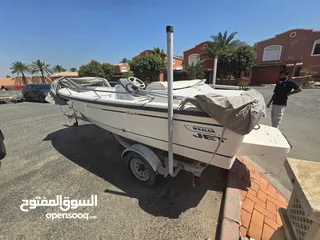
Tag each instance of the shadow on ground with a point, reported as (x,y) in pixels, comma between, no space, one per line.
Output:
(239,176)
(98,151)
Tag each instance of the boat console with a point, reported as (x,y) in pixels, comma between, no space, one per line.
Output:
(126,88)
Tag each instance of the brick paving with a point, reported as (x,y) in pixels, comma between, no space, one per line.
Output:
(259,206)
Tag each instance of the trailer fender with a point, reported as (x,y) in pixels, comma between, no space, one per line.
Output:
(146,153)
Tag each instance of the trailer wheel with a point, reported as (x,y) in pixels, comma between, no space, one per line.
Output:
(140,169)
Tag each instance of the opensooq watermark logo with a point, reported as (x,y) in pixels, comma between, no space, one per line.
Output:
(65,204)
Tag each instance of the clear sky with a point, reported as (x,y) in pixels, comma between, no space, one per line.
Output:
(72,32)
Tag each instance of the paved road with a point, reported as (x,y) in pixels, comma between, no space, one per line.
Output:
(301,125)
(46,159)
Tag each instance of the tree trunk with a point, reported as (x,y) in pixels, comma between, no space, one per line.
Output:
(42,77)
(24,79)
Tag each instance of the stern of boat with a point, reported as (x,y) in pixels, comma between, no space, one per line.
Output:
(264,140)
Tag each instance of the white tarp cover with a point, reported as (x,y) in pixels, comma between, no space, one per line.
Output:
(176,85)
(72,83)
(239,114)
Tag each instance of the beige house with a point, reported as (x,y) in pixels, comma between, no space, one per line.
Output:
(19,80)
(7,82)
(35,79)
(64,74)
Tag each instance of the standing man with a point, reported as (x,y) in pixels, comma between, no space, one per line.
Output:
(280,96)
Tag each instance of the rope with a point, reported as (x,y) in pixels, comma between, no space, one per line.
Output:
(214,154)
(217,148)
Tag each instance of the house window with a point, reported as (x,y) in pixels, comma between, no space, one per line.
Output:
(174,61)
(205,45)
(272,53)
(124,69)
(194,58)
(316,48)
(293,34)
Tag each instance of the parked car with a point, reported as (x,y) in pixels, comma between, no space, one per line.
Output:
(12,87)
(36,92)
(3,152)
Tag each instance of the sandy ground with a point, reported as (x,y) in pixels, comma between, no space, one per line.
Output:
(46,158)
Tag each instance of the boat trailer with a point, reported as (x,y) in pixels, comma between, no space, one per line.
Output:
(72,113)
(144,163)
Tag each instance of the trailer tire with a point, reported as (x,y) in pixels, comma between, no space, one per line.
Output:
(3,151)
(140,169)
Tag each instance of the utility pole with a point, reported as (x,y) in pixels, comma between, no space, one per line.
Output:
(214,77)
(169,30)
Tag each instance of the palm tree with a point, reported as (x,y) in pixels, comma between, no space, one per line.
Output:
(124,60)
(194,71)
(223,41)
(58,68)
(41,67)
(73,69)
(220,44)
(160,53)
(20,68)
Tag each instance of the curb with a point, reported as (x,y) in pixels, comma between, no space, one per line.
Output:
(286,192)
(230,217)
(250,197)
(230,221)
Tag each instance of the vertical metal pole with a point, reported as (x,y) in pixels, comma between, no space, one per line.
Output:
(169,30)
(294,69)
(214,76)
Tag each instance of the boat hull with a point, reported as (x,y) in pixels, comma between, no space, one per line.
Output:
(195,137)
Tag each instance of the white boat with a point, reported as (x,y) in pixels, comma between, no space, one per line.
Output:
(186,120)
(141,116)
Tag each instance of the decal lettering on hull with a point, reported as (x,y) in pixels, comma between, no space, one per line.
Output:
(204,133)
(131,113)
(200,129)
